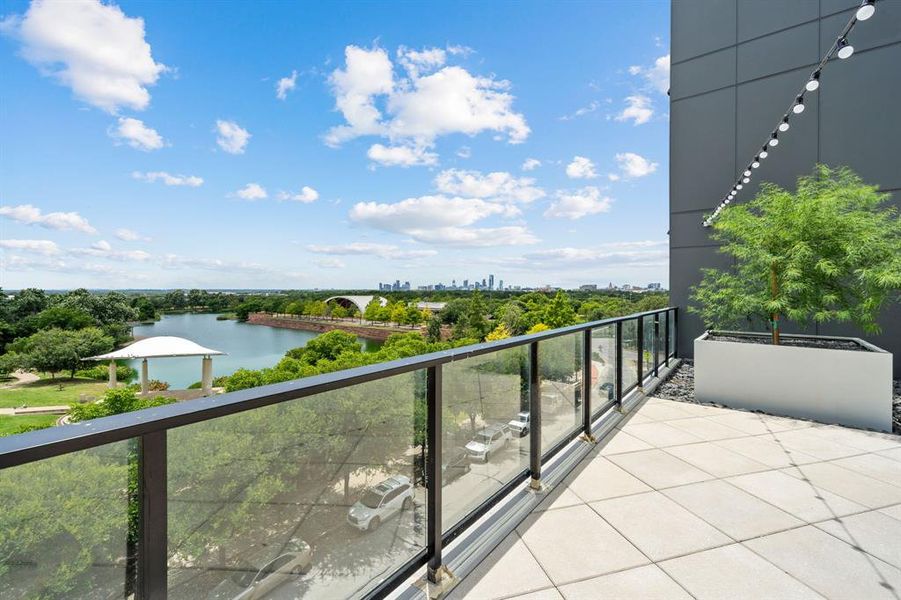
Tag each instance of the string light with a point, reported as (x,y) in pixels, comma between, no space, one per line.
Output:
(841,48)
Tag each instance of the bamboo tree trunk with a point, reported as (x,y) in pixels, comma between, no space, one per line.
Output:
(774,292)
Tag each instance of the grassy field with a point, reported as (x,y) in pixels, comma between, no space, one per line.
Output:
(9,424)
(47,392)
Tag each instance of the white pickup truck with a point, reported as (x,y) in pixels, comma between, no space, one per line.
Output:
(520,425)
(488,441)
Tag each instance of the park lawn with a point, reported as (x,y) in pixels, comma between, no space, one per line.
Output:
(11,424)
(46,392)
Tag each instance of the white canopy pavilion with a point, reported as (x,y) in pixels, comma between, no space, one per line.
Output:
(163,346)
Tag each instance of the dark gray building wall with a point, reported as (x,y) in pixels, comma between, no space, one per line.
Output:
(736,65)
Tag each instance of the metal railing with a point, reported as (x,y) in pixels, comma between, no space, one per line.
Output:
(151,428)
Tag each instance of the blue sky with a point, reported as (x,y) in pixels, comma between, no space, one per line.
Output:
(301,145)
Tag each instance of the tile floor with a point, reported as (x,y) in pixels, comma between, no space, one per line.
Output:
(687,501)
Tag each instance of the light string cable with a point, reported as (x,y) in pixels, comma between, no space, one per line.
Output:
(843,49)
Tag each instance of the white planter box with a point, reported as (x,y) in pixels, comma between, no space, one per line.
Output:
(847,387)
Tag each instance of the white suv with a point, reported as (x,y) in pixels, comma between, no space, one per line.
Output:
(520,425)
(487,441)
(381,502)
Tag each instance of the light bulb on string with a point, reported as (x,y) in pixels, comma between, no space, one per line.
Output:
(866,10)
(763,153)
(845,50)
(784,126)
(739,186)
(748,173)
(755,164)
(746,180)
(774,139)
(814,82)
(798,108)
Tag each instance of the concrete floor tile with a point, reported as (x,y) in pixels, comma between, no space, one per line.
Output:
(795,496)
(892,454)
(659,469)
(647,583)
(707,430)
(816,445)
(664,412)
(868,441)
(716,460)
(574,543)
(510,569)
(766,451)
(559,497)
(731,510)
(658,526)
(829,565)
(599,479)
(620,442)
(873,532)
(732,573)
(548,594)
(892,511)
(864,490)
(660,435)
(750,423)
(873,465)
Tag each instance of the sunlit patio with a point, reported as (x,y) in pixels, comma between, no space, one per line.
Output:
(683,500)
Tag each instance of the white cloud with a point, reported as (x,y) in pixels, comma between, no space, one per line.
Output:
(306,195)
(579,203)
(103,249)
(330,263)
(638,110)
(476,237)
(92,48)
(388,251)
(581,112)
(232,137)
(498,186)
(531,164)
(581,168)
(45,247)
(636,254)
(432,100)
(174,261)
(657,75)
(285,85)
(403,156)
(166,178)
(464,152)
(137,135)
(252,191)
(130,235)
(31,215)
(634,165)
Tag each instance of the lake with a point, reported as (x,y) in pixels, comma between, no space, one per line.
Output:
(246,346)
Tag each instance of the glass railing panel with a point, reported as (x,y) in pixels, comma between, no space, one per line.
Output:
(486,428)
(630,354)
(647,348)
(661,339)
(560,380)
(672,333)
(310,498)
(603,367)
(68,525)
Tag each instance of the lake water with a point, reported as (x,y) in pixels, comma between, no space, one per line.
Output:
(246,346)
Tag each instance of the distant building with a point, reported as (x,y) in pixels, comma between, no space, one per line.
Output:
(589,287)
(654,286)
(500,285)
(491,282)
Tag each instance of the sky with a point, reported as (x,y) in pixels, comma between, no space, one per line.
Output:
(332,145)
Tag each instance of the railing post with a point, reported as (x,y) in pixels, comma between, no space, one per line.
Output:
(152,517)
(534,418)
(666,337)
(434,476)
(586,386)
(640,345)
(656,344)
(618,383)
(676,331)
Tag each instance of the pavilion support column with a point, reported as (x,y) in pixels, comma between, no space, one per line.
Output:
(112,374)
(145,382)
(206,376)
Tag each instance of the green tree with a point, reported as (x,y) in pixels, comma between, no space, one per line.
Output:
(339,312)
(55,350)
(829,252)
(330,345)
(373,310)
(501,332)
(433,332)
(63,317)
(559,312)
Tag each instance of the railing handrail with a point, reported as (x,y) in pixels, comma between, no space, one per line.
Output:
(37,445)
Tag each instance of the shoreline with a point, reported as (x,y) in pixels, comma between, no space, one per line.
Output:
(371,332)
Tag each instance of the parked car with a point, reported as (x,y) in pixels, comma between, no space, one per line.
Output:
(609,389)
(489,440)
(250,583)
(520,425)
(456,465)
(381,502)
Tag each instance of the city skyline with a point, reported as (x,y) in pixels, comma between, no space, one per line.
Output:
(414,142)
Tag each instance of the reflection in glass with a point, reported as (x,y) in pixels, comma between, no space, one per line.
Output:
(486,428)
(647,349)
(672,333)
(560,377)
(315,497)
(64,525)
(603,366)
(630,354)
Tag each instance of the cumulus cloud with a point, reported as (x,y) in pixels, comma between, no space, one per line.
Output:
(175,261)
(285,85)
(431,99)
(498,186)
(136,134)
(638,110)
(103,249)
(45,247)
(634,165)
(657,75)
(306,195)
(31,215)
(531,164)
(330,263)
(636,254)
(92,48)
(231,137)
(387,251)
(464,152)
(252,191)
(166,178)
(402,156)
(576,204)
(130,235)
(581,112)
(581,168)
